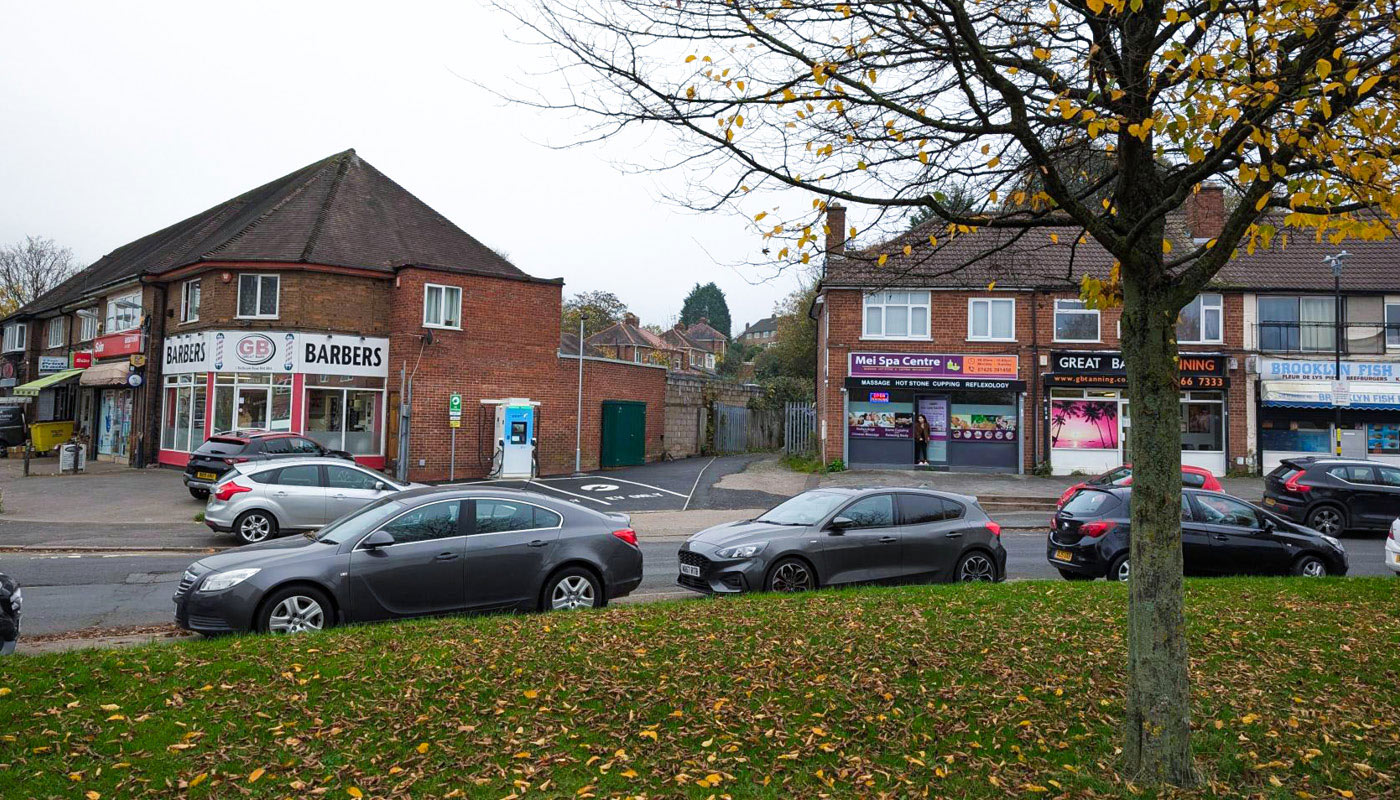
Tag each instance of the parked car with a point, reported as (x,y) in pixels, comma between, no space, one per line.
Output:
(222,451)
(416,553)
(1333,495)
(827,537)
(259,500)
(11,599)
(1193,477)
(1220,535)
(1392,548)
(13,430)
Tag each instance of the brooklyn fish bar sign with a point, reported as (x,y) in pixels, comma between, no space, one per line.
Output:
(1107,369)
(276,351)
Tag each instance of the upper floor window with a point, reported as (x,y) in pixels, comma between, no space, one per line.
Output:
(442,306)
(257,295)
(1202,321)
(896,315)
(1298,324)
(123,312)
(709,361)
(991,319)
(56,331)
(1075,322)
(1392,324)
(189,301)
(16,337)
(87,331)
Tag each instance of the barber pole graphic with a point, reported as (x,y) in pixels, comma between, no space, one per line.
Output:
(219,352)
(291,350)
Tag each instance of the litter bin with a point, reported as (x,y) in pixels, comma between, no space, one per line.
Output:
(48,435)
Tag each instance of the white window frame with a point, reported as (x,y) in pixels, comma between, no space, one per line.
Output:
(710,361)
(442,305)
(16,337)
(120,319)
(1391,303)
(990,303)
(189,312)
(1218,308)
(55,328)
(87,331)
(914,308)
(257,297)
(1055,321)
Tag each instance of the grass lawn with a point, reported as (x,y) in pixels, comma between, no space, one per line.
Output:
(953,691)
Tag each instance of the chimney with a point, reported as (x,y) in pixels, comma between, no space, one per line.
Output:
(835,229)
(630,319)
(1205,211)
(680,326)
(704,320)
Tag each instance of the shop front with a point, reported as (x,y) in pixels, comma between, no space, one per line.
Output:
(330,388)
(1088,422)
(1298,408)
(934,411)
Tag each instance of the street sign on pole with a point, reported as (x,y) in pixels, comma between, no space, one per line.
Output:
(1341,394)
(454,410)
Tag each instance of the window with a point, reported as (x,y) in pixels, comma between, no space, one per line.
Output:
(1202,320)
(436,521)
(189,301)
(304,446)
(896,315)
(922,509)
(501,516)
(1185,509)
(57,332)
(1389,476)
(1295,436)
(1352,474)
(1383,439)
(16,337)
(345,419)
(1297,324)
(870,512)
(1090,504)
(709,361)
(991,319)
(1074,322)
(1216,510)
(442,306)
(1202,421)
(305,475)
(1392,324)
(182,422)
(279,447)
(351,478)
(88,330)
(257,295)
(123,313)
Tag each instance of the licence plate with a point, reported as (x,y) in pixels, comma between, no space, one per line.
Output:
(1064,555)
(691,570)
(1268,501)
(206,476)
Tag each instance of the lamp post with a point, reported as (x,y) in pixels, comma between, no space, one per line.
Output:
(1335,262)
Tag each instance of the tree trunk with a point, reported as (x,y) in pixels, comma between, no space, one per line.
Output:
(1158,748)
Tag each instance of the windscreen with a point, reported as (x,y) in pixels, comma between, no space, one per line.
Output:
(359,522)
(807,508)
(1091,504)
(221,447)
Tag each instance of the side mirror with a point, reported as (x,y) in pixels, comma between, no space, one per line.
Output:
(342,454)
(377,540)
(1269,526)
(840,524)
(381,486)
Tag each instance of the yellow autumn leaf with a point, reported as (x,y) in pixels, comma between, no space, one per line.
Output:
(91,795)
(531,694)
(628,773)
(109,707)
(354,792)
(689,59)
(649,735)
(908,249)
(882,259)
(991,286)
(4,690)
(423,748)
(995,160)
(1368,84)
(1166,246)
(1324,68)
(255,774)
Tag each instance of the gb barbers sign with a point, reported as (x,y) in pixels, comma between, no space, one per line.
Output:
(276,351)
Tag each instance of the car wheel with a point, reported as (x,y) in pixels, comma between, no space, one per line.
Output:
(790,575)
(1326,519)
(252,527)
(296,609)
(1310,567)
(573,588)
(1118,570)
(1071,575)
(199,494)
(976,566)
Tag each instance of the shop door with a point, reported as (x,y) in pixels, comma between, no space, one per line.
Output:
(251,405)
(114,423)
(935,410)
(624,433)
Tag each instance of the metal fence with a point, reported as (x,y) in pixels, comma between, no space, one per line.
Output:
(799,428)
(738,429)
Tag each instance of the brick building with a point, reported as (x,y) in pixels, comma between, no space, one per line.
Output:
(985,338)
(329,302)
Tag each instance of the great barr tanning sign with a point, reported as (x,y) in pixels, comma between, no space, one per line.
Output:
(276,351)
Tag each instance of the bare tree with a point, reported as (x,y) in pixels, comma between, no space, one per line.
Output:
(1290,103)
(31,268)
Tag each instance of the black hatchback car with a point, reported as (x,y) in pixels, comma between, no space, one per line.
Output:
(1220,535)
(1333,495)
(221,451)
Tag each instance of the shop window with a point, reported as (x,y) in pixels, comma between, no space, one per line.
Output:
(1297,324)
(57,330)
(252,401)
(182,419)
(189,301)
(16,337)
(258,295)
(345,419)
(442,306)
(1075,322)
(896,315)
(123,313)
(1383,439)
(88,330)
(1202,320)
(1203,422)
(991,319)
(1084,423)
(1295,436)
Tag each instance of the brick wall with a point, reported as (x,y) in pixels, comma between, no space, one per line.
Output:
(311,300)
(690,402)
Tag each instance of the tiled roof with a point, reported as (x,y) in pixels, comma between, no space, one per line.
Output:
(625,334)
(677,339)
(568,345)
(763,325)
(702,332)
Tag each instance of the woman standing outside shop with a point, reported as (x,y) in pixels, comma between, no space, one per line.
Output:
(921,437)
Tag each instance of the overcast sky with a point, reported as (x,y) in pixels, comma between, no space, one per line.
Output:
(122,118)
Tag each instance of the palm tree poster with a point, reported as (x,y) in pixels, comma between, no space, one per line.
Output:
(1084,424)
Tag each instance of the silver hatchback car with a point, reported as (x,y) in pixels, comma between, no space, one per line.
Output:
(258,501)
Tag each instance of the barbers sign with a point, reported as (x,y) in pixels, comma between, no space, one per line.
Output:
(276,351)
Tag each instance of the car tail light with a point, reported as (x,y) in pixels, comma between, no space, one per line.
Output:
(1097,528)
(230,489)
(235,461)
(627,535)
(1293,485)
(993,527)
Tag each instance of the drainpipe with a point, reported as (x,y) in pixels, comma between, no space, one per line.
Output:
(1035,379)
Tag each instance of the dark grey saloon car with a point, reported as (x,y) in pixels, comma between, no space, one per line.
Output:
(827,537)
(417,553)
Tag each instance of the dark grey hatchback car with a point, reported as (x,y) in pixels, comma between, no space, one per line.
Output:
(417,553)
(834,536)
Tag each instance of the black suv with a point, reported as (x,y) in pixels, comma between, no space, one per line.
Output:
(1220,535)
(221,451)
(1333,495)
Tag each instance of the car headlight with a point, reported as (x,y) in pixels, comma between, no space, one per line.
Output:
(1332,540)
(742,550)
(224,580)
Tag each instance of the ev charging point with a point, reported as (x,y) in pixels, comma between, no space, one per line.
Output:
(515,437)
